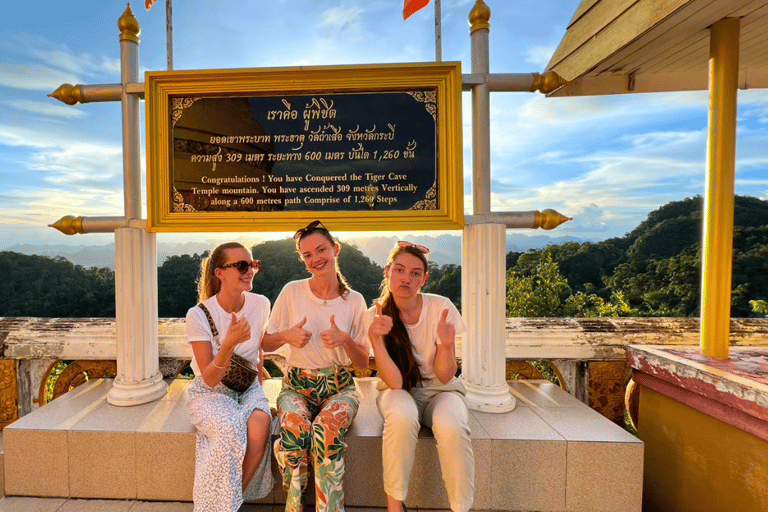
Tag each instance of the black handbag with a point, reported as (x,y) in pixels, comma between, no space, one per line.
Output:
(240,373)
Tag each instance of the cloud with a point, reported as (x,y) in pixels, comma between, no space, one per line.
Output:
(539,55)
(342,18)
(34,77)
(589,219)
(46,109)
(664,139)
(608,191)
(65,176)
(60,56)
(17,136)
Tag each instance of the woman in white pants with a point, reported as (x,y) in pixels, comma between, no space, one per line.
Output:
(413,336)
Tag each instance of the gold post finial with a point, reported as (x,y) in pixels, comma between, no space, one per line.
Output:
(129,26)
(547,82)
(479,16)
(68,94)
(550,219)
(69,225)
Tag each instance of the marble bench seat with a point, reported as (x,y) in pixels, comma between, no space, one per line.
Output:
(552,453)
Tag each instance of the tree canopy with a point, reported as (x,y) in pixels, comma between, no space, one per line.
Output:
(655,270)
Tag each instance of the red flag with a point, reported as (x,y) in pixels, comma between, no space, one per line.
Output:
(411,6)
(148,4)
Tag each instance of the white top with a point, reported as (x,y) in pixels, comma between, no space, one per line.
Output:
(255,309)
(423,333)
(295,302)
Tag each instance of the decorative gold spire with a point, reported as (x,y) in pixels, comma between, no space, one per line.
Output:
(479,16)
(547,82)
(69,94)
(69,225)
(129,26)
(549,219)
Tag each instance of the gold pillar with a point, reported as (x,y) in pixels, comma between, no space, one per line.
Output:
(9,393)
(717,250)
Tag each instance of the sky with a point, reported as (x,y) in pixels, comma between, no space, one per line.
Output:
(606,161)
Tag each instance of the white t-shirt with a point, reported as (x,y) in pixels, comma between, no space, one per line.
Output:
(295,302)
(255,309)
(423,333)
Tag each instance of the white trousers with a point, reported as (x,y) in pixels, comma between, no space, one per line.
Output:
(440,407)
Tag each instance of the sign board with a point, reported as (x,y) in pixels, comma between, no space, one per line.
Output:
(359,147)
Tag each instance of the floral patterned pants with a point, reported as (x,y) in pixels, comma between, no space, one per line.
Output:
(316,408)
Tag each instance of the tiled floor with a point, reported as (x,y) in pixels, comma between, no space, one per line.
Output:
(14,504)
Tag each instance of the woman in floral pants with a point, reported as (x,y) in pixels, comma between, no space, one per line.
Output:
(320,319)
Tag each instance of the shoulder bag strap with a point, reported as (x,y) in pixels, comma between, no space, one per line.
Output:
(214,331)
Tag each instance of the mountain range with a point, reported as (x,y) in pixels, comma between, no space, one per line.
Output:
(444,249)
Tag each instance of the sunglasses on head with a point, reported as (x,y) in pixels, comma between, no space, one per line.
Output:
(310,227)
(243,266)
(405,245)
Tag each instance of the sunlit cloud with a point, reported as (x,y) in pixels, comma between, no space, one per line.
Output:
(539,55)
(42,108)
(40,207)
(77,163)
(61,57)
(341,18)
(751,163)
(76,175)
(23,136)
(664,139)
(34,77)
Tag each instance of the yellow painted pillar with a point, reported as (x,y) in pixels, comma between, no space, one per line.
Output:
(717,250)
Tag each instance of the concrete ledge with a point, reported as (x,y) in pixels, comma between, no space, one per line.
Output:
(552,453)
(526,338)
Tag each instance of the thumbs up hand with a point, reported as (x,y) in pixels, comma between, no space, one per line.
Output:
(445,330)
(239,331)
(381,324)
(334,337)
(297,336)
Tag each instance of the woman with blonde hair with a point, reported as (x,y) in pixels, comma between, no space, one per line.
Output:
(233,427)
(413,336)
(320,320)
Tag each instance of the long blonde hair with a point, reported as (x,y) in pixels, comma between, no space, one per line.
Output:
(398,341)
(208,284)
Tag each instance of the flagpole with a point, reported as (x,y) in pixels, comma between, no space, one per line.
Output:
(169,31)
(438,33)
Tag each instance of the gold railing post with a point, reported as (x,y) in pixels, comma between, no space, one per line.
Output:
(717,248)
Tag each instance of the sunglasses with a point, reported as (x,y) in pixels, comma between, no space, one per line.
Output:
(315,224)
(243,266)
(405,245)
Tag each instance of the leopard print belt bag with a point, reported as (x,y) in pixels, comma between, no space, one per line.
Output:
(241,372)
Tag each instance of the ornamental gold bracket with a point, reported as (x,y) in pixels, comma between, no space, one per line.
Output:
(545,219)
(71,225)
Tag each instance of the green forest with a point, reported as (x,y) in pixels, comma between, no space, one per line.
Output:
(652,271)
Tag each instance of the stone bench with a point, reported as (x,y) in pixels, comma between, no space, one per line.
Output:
(552,453)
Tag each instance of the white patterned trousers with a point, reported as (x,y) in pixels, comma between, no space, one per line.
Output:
(220,416)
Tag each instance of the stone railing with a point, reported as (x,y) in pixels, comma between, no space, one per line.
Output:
(587,354)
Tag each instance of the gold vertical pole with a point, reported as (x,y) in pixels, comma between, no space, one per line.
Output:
(717,250)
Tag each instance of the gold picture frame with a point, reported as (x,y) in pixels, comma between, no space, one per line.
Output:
(214,163)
